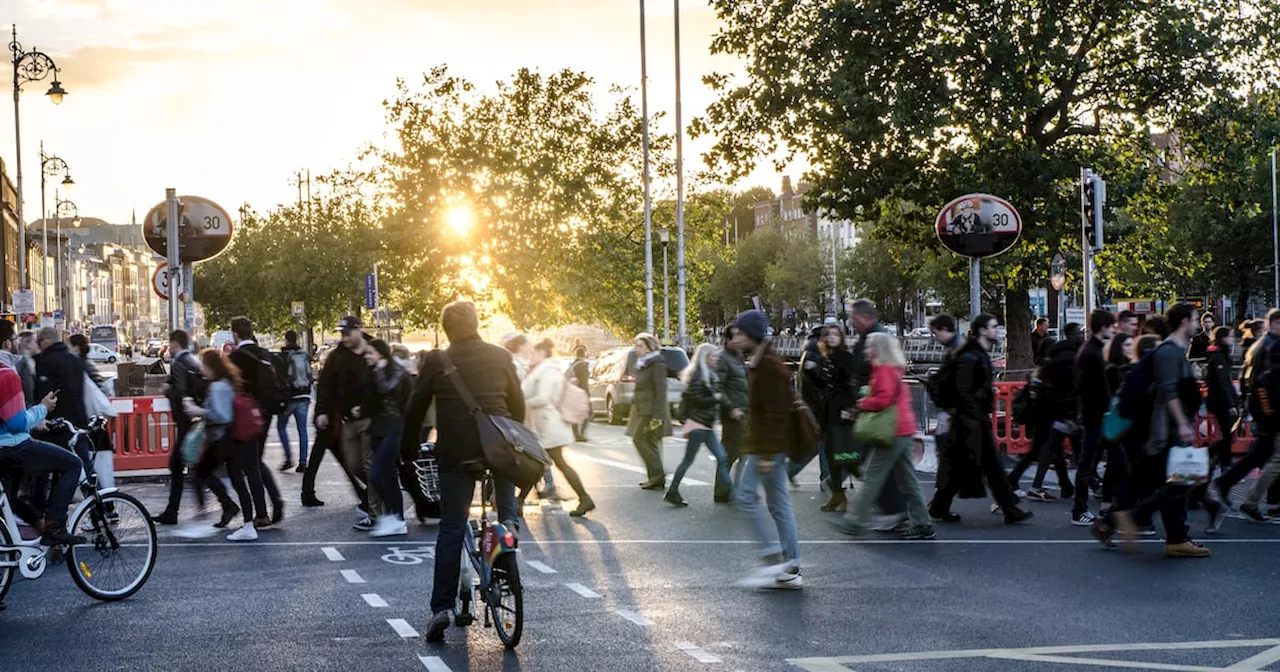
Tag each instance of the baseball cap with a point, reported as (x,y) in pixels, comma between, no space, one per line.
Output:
(348,323)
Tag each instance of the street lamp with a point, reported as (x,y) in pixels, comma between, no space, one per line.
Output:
(50,166)
(28,66)
(664,235)
(62,209)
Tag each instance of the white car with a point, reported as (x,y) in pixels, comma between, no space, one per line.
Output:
(100,353)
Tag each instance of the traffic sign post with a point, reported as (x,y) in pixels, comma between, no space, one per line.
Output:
(299,310)
(978,226)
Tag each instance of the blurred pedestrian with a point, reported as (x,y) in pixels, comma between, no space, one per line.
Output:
(386,422)
(240,457)
(543,388)
(703,400)
(732,371)
(650,413)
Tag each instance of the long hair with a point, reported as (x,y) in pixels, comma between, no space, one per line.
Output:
(700,366)
(885,350)
(221,368)
(822,338)
(650,341)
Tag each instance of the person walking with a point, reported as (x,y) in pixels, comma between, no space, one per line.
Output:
(894,460)
(487,372)
(521,349)
(240,457)
(650,419)
(258,375)
(1057,422)
(1041,341)
(732,371)
(1093,395)
(385,411)
(827,386)
(580,374)
(1200,343)
(345,385)
(966,393)
(703,401)
(1260,384)
(1223,403)
(298,368)
(186,381)
(542,388)
(59,370)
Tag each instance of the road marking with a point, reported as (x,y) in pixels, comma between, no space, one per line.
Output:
(434,664)
(634,616)
(540,567)
(626,466)
(402,627)
(1260,661)
(332,553)
(352,576)
(374,600)
(697,652)
(582,590)
(719,542)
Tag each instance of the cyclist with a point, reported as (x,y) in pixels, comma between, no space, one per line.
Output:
(37,457)
(488,372)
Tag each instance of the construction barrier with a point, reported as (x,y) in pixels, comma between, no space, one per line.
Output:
(143,433)
(1012,439)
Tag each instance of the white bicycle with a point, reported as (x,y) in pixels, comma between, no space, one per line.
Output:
(120,549)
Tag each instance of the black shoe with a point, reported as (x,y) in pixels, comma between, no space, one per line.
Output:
(660,484)
(363,525)
(723,500)
(311,501)
(436,627)
(1013,515)
(944,517)
(228,515)
(919,533)
(1252,513)
(277,512)
(674,499)
(57,535)
(302,469)
(261,522)
(288,464)
(585,506)
(166,518)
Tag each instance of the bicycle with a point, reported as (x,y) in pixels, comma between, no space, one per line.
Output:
(121,539)
(491,549)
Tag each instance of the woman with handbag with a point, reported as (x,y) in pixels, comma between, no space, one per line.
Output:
(702,402)
(827,387)
(887,425)
(542,388)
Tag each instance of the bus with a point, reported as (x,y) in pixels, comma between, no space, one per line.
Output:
(105,335)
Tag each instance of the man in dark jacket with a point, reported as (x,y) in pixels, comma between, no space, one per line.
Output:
(581,376)
(186,379)
(1041,341)
(1056,418)
(733,377)
(490,376)
(650,413)
(971,432)
(252,360)
(345,385)
(58,369)
(1261,372)
(1200,342)
(1093,396)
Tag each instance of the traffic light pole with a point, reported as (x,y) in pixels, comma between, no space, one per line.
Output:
(1093,195)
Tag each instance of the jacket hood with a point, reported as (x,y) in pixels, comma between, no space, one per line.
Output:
(9,359)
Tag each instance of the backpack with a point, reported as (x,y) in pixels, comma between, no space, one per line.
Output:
(574,404)
(273,392)
(199,385)
(1027,404)
(299,372)
(942,383)
(1259,389)
(247,423)
(1137,394)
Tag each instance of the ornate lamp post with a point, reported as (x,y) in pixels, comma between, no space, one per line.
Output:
(50,166)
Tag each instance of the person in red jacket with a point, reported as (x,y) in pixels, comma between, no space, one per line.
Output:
(894,461)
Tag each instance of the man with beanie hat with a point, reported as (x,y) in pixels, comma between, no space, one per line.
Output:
(769,443)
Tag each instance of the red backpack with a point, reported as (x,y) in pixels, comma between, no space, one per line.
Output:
(247,424)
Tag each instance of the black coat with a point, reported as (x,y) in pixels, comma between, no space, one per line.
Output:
(650,398)
(828,386)
(57,368)
(1221,391)
(1118,363)
(392,388)
(1199,346)
(490,376)
(702,402)
(1093,391)
(345,383)
(733,379)
(1059,375)
(973,381)
(960,449)
(186,379)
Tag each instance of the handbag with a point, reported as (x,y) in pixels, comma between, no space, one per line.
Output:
(95,402)
(876,428)
(510,449)
(1114,425)
(1188,465)
(804,426)
(193,443)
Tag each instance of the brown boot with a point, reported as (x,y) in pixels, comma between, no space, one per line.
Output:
(838,502)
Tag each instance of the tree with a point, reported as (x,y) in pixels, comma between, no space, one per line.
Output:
(925,100)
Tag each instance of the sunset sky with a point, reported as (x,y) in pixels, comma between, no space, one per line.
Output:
(228,99)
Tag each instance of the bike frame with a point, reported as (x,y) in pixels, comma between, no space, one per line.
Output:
(495,540)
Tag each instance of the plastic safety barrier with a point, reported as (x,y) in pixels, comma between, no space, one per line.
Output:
(143,433)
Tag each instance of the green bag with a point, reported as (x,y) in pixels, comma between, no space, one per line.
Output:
(193,443)
(876,429)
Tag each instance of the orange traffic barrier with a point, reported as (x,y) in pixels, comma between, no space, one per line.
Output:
(143,433)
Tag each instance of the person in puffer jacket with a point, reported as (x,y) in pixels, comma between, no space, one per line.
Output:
(703,401)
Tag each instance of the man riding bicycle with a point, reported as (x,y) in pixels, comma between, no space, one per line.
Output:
(491,377)
(23,455)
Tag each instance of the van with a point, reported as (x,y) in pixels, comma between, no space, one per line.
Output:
(613,381)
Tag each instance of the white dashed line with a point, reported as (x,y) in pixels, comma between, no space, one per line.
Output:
(375,600)
(696,652)
(352,576)
(634,616)
(434,664)
(577,455)
(332,553)
(540,567)
(402,627)
(582,590)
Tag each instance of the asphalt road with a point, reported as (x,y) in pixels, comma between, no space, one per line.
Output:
(641,586)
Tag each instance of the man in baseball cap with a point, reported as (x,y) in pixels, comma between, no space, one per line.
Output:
(349,323)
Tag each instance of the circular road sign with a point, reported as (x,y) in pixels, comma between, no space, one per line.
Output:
(1058,271)
(978,225)
(204,229)
(160,281)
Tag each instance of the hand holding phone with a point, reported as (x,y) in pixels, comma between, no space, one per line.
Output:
(50,400)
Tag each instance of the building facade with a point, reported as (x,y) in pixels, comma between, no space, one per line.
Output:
(788,213)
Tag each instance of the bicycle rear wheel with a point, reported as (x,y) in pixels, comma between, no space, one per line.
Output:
(506,600)
(118,556)
(6,573)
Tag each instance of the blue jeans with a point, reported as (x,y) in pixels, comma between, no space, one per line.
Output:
(297,409)
(384,473)
(696,439)
(777,498)
(456,492)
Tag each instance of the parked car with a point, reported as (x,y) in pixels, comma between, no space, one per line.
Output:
(613,381)
(155,347)
(100,353)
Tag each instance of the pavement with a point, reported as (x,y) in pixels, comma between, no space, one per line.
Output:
(641,586)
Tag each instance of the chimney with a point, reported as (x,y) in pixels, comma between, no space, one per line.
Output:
(786,185)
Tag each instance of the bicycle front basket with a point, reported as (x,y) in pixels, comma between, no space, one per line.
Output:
(428,472)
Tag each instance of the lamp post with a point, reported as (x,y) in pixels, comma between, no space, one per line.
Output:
(28,66)
(680,271)
(664,235)
(50,166)
(73,212)
(648,209)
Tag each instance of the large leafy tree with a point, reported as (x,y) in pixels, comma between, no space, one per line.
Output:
(925,100)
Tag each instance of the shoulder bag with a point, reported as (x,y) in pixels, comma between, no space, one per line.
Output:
(510,449)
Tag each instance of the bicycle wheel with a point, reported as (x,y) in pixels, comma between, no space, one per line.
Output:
(506,600)
(118,556)
(6,573)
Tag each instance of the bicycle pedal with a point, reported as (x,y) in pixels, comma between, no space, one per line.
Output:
(463,620)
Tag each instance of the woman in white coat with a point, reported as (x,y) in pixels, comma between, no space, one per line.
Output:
(543,388)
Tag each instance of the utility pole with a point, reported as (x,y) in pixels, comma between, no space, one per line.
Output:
(650,327)
(680,270)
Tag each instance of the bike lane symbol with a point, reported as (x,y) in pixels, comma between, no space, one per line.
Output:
(409,556)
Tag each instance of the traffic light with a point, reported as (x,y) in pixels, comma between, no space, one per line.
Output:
(1093,195)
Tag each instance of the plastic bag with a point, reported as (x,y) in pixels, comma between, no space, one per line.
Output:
(1188,465)
(193,443)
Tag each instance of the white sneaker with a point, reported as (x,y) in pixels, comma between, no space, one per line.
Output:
(789,579)
(246,533)
(1020,493)
(389,526)
(764,576)
(195,531)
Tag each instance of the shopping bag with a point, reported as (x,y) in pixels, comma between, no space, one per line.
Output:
(193,443)
(1188,465)
(876,428)
(95,402)
(1114,425)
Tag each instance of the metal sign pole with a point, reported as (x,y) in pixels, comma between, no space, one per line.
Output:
(175,266)
(189,297)
(975,287)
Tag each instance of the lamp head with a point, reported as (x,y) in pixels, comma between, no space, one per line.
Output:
(56,92)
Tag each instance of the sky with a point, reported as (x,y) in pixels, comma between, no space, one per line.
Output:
(227,99)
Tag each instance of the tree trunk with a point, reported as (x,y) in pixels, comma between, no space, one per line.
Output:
(1017,323)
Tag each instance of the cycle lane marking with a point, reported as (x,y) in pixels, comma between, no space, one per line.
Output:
(634,616)
(332,553)
(697,652)
(583,590)
(374,600)
(402,627)
(352,576)
(434,664)
(540,567)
